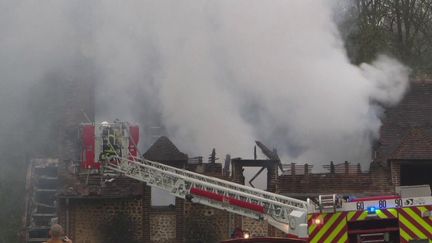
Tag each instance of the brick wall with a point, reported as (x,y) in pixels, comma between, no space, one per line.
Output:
(378,181)
(395,172)
(146,210)
(180,220)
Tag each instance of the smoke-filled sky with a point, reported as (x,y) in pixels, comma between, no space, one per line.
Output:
(211,73)
(224,73)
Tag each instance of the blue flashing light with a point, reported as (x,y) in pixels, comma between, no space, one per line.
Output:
(371,210)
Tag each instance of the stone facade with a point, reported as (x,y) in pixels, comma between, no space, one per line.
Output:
(255,227)
(89,219)
(162,226)
(206,221)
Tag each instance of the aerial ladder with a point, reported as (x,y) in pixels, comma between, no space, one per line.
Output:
(286,214)
(330,218)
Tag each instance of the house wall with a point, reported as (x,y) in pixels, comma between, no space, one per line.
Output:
(88,218)
(170,225)
(163,226)
(255,227)
(207,220)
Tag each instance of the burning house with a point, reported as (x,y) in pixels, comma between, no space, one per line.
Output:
(97,208)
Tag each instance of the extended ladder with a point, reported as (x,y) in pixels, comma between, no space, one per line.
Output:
(286,214)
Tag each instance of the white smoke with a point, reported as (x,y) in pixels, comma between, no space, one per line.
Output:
(228,72)
(388,79)
(212,73)
(313,104)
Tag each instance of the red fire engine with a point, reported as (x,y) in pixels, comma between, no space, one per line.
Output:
(406,217)
(397,218)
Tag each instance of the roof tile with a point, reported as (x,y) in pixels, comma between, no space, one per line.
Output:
(415,146)
(414,111)
(164,150)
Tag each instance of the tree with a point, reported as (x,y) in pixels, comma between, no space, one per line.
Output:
(400,28)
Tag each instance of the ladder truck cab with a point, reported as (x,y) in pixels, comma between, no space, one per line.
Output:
(406,217)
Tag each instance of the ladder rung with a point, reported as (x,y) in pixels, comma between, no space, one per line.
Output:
(325,207)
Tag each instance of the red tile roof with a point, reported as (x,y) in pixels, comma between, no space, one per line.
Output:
(415,146)
(414,111)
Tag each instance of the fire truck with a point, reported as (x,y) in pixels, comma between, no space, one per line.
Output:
(406,217)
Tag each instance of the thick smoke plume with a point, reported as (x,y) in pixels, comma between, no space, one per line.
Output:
(209,73)
(222,74)
(206,73)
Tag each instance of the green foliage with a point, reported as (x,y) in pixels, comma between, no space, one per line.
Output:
(399,28)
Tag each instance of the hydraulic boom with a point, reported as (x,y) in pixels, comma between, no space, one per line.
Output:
(287,214)
(112,147)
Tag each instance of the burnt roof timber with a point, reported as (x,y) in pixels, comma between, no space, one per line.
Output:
(254,163)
